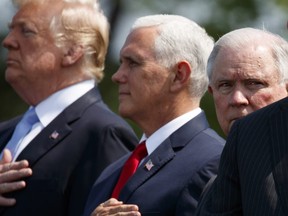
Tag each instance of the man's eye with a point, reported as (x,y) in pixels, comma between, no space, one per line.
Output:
(224,85)
(254,84)
(27,31)
(133,63)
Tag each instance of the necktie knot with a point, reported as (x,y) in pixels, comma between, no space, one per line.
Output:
(30,117)
(137,155)
(130,167)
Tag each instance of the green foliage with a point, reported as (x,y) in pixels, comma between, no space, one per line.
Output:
(11,104)
(207,105)
(283,4)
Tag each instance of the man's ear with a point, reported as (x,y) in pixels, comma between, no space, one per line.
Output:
(286,82)
(182,75)
(72,55)
(210,90)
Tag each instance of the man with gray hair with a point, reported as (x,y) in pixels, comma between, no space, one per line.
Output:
(162,78)
(247,70)
(253,175)
(54,153)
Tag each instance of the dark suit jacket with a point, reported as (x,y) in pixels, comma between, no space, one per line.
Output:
(253,172)
(183,164)
(64,169)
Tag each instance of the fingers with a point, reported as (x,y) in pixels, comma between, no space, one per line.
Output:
(7,201)
(6,163)
(11,186)
(11,180)
(115,207)
(13,166)
(7,156)
(14,175)
(11,175)
(111,202)
(127,208)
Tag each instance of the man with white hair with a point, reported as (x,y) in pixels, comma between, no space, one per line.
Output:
(162,78)
(253,175)
(247,70)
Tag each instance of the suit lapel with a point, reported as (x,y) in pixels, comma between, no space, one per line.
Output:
(279,134)
(161,156)
(58,129)
(50,136)
(164,154)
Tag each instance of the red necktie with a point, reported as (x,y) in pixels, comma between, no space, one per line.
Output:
(130,168)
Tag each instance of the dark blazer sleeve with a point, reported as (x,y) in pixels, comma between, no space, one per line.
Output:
(191,194)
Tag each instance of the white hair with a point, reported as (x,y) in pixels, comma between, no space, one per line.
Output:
(178,39)
(240,38)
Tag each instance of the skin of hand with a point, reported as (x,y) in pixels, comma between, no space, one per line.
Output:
(113,207)
(11,174)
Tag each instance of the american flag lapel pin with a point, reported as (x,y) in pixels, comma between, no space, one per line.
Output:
(149,165)
(54,135)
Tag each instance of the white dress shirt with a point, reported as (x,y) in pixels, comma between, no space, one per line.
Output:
(165,131)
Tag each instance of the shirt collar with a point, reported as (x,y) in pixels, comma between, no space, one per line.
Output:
(165,131)
(52,106)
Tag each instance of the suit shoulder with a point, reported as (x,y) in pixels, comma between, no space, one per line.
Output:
(214,136)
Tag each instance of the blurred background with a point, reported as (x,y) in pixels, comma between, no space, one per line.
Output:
(217,16)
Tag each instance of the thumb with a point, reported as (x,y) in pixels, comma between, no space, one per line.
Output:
(7,156)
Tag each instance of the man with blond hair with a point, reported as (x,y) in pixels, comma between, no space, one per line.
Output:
(54,153)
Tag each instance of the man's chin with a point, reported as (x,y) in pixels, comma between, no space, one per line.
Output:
(123,112)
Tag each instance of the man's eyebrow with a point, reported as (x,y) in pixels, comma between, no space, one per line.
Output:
(127,58)
(18,23)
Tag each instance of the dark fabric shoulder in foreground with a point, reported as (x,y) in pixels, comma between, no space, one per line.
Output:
(253,174)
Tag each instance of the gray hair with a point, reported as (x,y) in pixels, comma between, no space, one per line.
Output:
(180,39)
(237,39)
(80,22)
